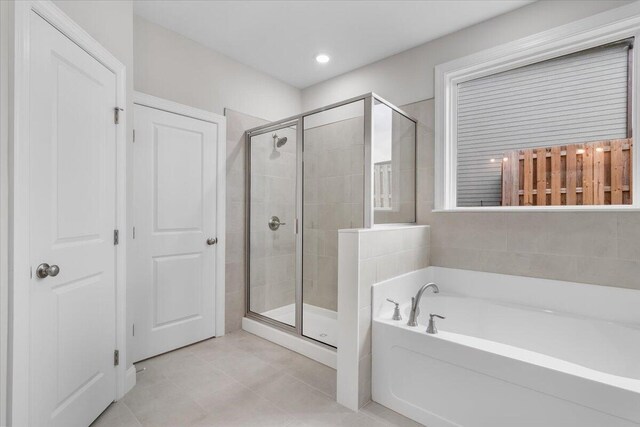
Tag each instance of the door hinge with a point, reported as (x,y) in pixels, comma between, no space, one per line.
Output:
(116,357)
(134,232)
(133,329)
(116,237)
(296,225)
(134,135)
(116,115)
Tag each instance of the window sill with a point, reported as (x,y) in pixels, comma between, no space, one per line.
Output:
(511,209)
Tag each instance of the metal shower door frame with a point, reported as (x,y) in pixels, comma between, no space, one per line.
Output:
(368,209)
(271,127)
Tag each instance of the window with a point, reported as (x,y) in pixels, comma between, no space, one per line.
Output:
(549,127)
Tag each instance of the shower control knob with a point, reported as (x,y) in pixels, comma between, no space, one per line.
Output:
(212,241)
(274,223)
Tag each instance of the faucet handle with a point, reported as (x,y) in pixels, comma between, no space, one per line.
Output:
(431,328)
(396,310)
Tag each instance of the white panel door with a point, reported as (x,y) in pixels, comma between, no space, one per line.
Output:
(174,248)
(72,218)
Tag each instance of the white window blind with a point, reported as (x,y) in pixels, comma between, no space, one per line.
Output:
(572,99)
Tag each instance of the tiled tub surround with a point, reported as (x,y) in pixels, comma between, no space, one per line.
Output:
(368,256)
(601,248)
(542,352)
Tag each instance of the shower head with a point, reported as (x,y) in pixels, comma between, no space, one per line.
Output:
(278,142)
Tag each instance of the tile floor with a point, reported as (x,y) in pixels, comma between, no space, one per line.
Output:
(238,380)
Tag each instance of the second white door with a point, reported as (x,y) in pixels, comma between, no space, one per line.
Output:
(174,247)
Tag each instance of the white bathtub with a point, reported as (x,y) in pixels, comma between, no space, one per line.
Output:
(512,351)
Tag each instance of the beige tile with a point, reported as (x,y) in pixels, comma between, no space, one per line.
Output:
(146,400)
(180,364)
(352,419)
(257,415)
(235,216)
(116,415)
(359,420)
(564,233)
(247,369)
(609,272)
(234,311)
(236,186)
(231,395)
(207,380)
(148,375)
(483,231)
(172,414)
(216,348)
(268,352)
(414,237)
(628,231)
(315,374)
(234,247)
(469,259)
(298,398)
(235,277)
(386,415)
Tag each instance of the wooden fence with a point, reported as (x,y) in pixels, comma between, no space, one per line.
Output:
(594,173)
(382,185)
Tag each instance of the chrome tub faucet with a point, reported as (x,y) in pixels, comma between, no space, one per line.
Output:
(415,302)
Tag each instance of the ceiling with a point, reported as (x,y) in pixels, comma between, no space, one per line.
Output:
(282,38)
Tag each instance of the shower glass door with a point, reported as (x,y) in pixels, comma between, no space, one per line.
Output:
(333,199)
(272,186)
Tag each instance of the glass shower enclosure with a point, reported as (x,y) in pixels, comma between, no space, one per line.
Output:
(347,165)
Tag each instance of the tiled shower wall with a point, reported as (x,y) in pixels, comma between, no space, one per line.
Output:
(273,193)
(601,248)
(333,197)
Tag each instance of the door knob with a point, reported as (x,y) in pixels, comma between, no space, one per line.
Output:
(274,223)
(212,241)
(45,270)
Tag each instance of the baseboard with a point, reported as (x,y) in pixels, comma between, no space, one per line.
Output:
(299,345)
(130,379)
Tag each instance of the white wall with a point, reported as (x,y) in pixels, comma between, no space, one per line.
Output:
(174,67)
(408,76)
(111,24)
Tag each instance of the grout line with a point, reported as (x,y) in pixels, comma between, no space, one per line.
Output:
(310,385)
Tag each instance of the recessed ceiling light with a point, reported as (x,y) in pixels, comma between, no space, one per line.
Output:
(322,58)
